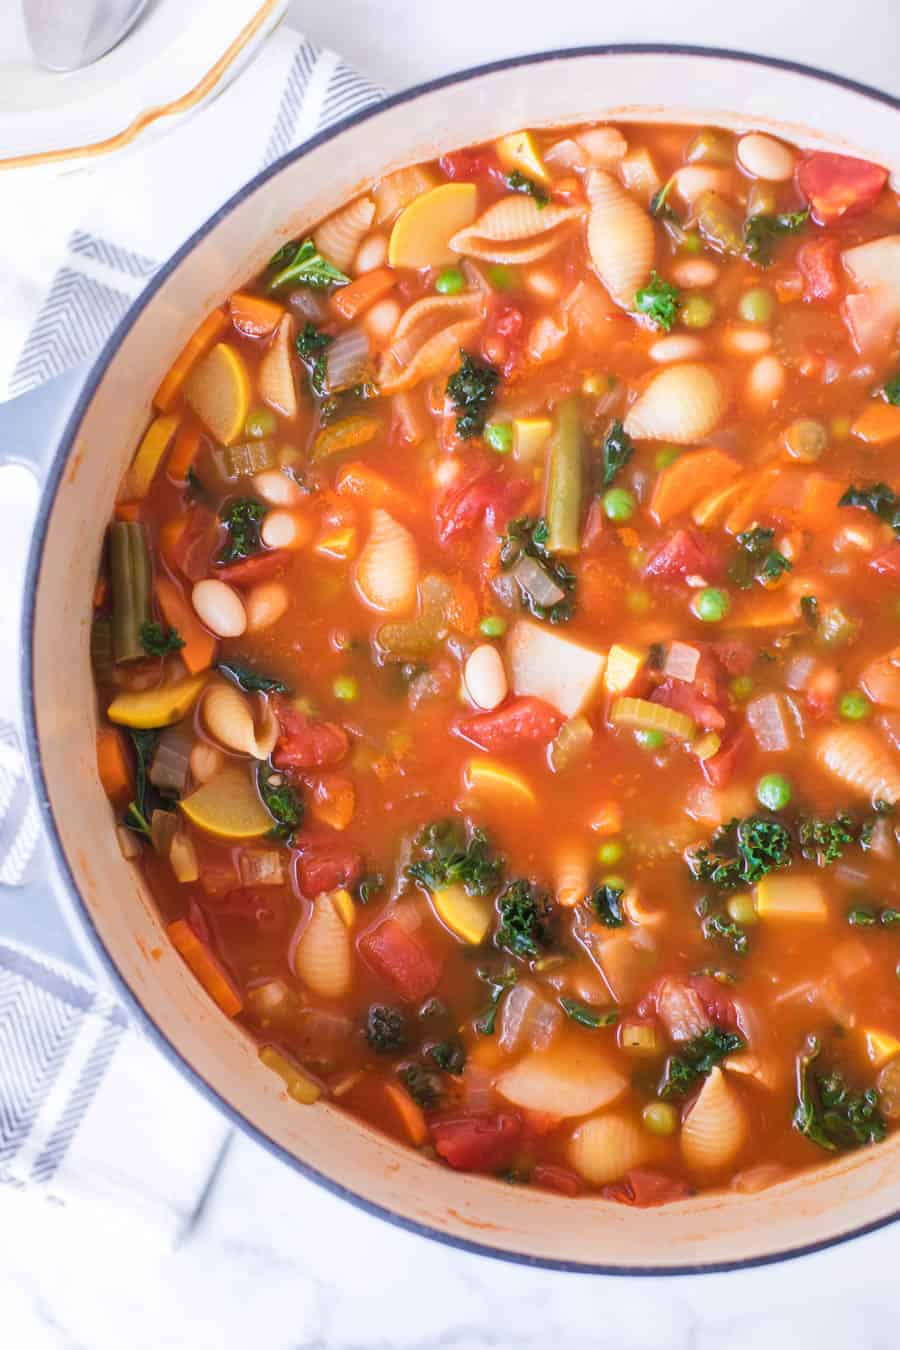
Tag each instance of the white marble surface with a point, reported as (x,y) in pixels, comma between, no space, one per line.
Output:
(274,1263)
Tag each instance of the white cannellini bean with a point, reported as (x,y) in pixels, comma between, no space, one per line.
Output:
(691,272)
(371,253)
(219,607)
(692,180)
(485,677)
(277,488)
(747,341)
(284,529)
(765,382)
(681,347)
(763,157)
(265,605)
(206,761)
(382,319)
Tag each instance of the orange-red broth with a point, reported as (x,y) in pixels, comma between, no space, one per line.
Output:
(407,762)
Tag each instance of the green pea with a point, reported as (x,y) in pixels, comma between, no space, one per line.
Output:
(619,504)
(499,436)
(610,853)
(493,626)
(741,908)
(660,1117)
(773,791)
(614,882)
(346,688)
(639,602)
(756,306)
(450,282)
(710,605)
(501,277)
(741,688)
(649,738)
(854,706)
(666,456)
(697,312)
(261,422)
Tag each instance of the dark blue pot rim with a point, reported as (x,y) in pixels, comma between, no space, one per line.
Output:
(48,496)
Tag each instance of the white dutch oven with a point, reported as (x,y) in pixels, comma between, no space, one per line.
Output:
(81,455)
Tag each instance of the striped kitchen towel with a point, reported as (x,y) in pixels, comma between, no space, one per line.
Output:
(90,1112)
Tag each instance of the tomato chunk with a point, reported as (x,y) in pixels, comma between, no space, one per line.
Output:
(248,571)
(818,261)
(492,496)
(686,554)
(400,957)
(642,1187)
(687,699)
(719,1006)
(520,721)
(551,1177)
(467,165)
(838,186)
(305,743)
(477,1143)
(719,769)
(326,863)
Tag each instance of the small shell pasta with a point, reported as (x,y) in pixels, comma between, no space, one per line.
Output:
(716,1127)
(323,958)
(339,237)
(387,571)
(621,239)
(683,403)
(562,1082)
(859,758)
(605,1148)
(228,717)
(427,339)
(573,875)
(277,385)
(516,230)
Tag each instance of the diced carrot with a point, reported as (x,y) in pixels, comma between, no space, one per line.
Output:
(755,489)
(112,765)
(607,819)
(411,1115)
(347,434)
(628,537)
(169,534)
(254,315)
(692,476)
(199,650)
(205,967)
(819,500)
(334,801)
(464,612)
(358,480)
(363,292)
(184,451)
(878,423)
(128,510)
(101,591)
(209,332)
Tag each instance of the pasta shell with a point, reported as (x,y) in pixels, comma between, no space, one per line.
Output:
(228,717)
(683,403)
(621,239)
(339,237)
(427,339)
(516,230)
(605,1148)
(387,571)
(716,1127)
(562,1083)
(277,386)
(323,959)
(858,757)
(573,875)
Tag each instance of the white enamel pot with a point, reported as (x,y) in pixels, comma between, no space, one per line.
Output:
(81,451)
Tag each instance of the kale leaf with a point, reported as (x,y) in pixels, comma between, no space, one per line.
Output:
(526,536)
(891,390)
(448,1055)
(312,344)
(486,1024)
(524,911)
(823,841)
(159,641)
(878,498)
(241,519)
(146,800)
(606,902)
(659,301)
(828,1112)
(386,1029)
(742,852)
(659,206)
(727,930)
(517,182)
(761,231)
(696,1058)
(250,680)
(303,265)
(618,448)
(757,559)
(422,1085)
(453,859)
(588,1017)
(471,391)
(282,802)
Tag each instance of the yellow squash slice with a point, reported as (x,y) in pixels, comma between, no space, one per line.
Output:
(228,806)
(421,236)
(468,917)
(156,707)
(218,390)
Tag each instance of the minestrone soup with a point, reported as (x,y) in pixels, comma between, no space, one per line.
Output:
(497,647)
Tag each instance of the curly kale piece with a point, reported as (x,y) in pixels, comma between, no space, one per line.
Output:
(742,852)
(761,231)
(659,301)
(828,1112)
(757,559)
(606,902)
(486,1024)
(450,857)
(283,803)
(525,911)
(422,1085)
(696,1059)
(242,520)
(518,182)
(618,447)
(472,390)
(526,536)
(725,929)
(823,841)
(159,641)
(386,1029)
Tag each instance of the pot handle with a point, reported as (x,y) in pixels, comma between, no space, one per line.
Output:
(33,905)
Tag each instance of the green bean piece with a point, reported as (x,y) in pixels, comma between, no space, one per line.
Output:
(129,560)
(102,651)
(565,482)
(247,459)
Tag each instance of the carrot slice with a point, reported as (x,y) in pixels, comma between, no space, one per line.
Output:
(358,480)
(169,535)
(363,292)
(112,765)
(878,423)
(199,344)
(254,315)
(693,475)
(205,967)
(199,650)
(184,451)
(411,1115)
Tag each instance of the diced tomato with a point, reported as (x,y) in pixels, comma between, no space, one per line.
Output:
(491,496)
(261,567)
(719,768)
(193,550)
(477,1143)
(719,1007)
(642,1187)
(686,554)
(688,699)
(467,165)
(734,654)
(400,957)
(594,524)
(305,743)
(508,321)
(838,186)
(326,862)
(678,1005)
(260,911)
(520,721)
(887,564)
(551,1177)
(818,261)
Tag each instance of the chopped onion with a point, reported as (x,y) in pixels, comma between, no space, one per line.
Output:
(527,1016)
(347,360)
(475,278)
(307,303)
(535,582)
(799,670)
(768,723)
(183,857)
(477,1090)
(163,825)
(882,844)
(570,744)
(681,662)
(261,867)
(171,762)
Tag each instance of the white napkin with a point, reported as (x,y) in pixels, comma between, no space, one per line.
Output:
(89,1111)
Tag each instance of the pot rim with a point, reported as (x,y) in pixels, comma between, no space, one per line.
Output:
(48,491)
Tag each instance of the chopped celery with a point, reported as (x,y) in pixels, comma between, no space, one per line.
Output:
(247,459)
(647,716)
(720,224)
(565,482)
(129,566)
(570,744)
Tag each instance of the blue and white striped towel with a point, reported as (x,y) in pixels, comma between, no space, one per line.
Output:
(89,1111)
